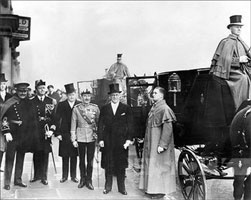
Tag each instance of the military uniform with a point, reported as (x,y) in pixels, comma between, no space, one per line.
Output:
(16,122)
(83,130)
(44,118)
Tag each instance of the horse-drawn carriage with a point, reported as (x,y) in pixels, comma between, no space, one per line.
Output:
(204,109)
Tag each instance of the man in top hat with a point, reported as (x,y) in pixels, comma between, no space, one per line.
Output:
(44,124)
(115,134)
(4,96)
(15,127)
(118,73)
(83,134)
(230,62)
(63,123)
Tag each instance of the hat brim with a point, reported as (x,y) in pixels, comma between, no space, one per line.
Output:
(114,92)
(234,24)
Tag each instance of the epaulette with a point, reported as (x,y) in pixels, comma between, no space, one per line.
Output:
(77,105)
(94,104)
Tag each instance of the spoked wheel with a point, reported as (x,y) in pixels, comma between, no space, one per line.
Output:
(191,176)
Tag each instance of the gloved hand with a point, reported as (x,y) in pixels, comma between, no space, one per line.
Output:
(49,134)
(59,137)
(101,143)
(8,137)
(75,144)
(243,59)
(127,144)
(160,149)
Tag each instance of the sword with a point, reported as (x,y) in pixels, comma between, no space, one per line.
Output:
(97,160)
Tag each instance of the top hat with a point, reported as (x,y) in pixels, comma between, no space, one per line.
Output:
(114,88)
(69,88)
(119,55)
(39,82)
(2,78)
(86,92)
(235,20)
(50,86)
(21,86)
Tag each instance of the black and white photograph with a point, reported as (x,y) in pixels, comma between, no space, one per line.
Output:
(125,100)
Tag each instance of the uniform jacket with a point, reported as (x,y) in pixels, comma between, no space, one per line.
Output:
(16,121)
(118,71)
(227,54)
(84,122)
(44,114)
(114,130)
(63,124)
(158,170)
(2,139)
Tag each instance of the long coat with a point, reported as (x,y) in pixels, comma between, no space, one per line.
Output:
(63,123)
(44,114)
(114,130)
(158,170)
(2,139)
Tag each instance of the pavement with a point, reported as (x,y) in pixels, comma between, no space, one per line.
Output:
(216,189)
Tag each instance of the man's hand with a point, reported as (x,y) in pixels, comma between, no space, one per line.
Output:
(101,143)
(59,137)
(160,149)
(127,144)
(243,59)
(75,144)
(8,137)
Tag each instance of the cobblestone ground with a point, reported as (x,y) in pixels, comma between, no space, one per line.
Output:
(216,189)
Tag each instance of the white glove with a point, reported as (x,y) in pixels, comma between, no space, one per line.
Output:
(160,149)
(127,143)
(101,143)
(243,59)
(75,144)
(49,134)
(59,137)
(8,137)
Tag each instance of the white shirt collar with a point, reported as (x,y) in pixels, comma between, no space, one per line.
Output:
(71,104)
(114,107)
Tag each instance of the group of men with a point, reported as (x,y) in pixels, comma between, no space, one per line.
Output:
(27,125)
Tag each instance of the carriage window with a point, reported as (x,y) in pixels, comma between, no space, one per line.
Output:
(139,90)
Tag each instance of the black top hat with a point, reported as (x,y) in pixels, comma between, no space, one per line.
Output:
(39,82)
(69,88)
(235,20)
(114,88)
(22,86)
(119,55)
(2,78)
(86,92)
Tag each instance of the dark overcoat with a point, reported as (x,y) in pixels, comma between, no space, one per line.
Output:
(63,122)
(114,130)
(2,139)
(19,110)
(44,114)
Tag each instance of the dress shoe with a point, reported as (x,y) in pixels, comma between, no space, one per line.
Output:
(63,180)
(123,192)
(81,184)
(75,180)
(34,180)
(20,184)
(89,186)
(106,191)
(6,187)
(45,182)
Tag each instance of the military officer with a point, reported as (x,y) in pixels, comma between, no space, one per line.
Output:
(83,134)
(15,125)
(44,126)
(4,96)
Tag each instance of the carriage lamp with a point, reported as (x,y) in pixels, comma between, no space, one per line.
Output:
(174,85)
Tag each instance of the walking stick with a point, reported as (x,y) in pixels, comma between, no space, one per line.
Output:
(97,160)
(53,160)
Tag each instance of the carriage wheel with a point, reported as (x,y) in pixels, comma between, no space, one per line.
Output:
(191,176)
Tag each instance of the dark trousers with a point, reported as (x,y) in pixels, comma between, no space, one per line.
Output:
(1,158)
(40,160)
(86,170)
(9,160)
(73,166)
(120,179)
(242,184)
